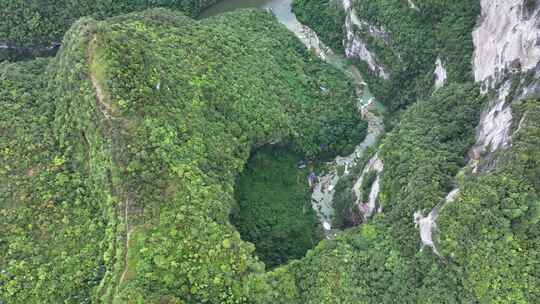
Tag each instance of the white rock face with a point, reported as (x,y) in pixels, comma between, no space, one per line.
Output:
(323,193)
(367,208)
(355,46)
(428,224)
(440,74)
(506,35)
(493,131)
(506,40)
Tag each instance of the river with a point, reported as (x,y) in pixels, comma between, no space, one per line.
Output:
(283,12)
(231,5)
(323,193)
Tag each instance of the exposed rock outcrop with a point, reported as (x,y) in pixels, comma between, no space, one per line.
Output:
(507,38)
(355,47)
(493,131)
(366,208)
(440,74)
(507,43)
(428,224)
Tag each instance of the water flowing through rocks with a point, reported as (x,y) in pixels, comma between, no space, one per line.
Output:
(323,191)
(366,208)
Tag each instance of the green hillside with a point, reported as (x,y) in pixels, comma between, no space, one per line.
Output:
(161,159)
(130,161)
(37,23)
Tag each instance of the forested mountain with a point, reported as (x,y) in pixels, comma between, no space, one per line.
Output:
(38,23)
(151,157)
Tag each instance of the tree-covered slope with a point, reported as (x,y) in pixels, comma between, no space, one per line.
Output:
(54,212)
(38,23)
(488,237)
(417,37)
(326,18)
(408,41)
(491,232)
(142,123)
(124,161)
(380,261)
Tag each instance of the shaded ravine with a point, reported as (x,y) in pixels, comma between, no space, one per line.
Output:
(11,51)
(323,192)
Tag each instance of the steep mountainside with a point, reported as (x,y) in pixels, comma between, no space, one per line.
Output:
(473,197)
(123,159)
(36,27)
(118,161)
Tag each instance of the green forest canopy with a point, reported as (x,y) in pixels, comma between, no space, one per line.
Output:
(273,206)
(35,23)
(142,123)
(118,161)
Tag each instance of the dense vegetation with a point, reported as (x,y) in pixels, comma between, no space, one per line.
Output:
(125,161)
(274,207)
(489,236)
(491,232)
(56,216)
(326,18)
(424,154)
(439,29)
(416,38)
(120,167)
(29,26)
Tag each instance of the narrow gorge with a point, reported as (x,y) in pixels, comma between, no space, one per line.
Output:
(270,151)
